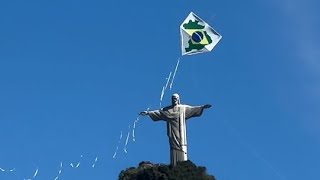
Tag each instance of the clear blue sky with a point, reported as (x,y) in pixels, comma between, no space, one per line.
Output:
(75,73)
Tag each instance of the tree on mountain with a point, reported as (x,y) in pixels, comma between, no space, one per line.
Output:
(184,170)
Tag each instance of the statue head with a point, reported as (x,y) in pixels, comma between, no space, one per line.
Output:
(175,99)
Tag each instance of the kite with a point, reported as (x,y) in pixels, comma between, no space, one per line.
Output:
(197,36)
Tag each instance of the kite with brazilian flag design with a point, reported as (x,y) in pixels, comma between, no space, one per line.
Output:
(197,36)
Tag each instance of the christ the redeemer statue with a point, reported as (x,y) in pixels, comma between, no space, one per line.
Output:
(176,115)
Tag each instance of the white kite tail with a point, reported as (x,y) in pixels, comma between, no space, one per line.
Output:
(134,128)
(4,170)
(116,151)
(35,173)
(95,161)
(174,73)
(60,171)
(164,88)
(73,165)
(127,140)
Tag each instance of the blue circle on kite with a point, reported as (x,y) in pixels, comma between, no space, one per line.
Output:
(197,36)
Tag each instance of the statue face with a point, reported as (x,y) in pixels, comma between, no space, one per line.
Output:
(175,100)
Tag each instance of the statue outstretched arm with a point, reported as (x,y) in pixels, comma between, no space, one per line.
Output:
(155,115)
(206,106)
(195,111)
(144,113)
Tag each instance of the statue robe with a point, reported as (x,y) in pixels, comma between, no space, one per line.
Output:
(176,117)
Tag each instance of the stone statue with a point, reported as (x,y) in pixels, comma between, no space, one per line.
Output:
(176,115)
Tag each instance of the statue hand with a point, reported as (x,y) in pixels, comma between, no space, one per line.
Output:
(207,106)
(143,113)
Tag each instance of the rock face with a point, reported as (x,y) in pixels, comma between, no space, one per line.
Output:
(146,170)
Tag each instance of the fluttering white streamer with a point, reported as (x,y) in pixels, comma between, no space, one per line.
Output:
(174,74)
(116,151)
(161,96)
(134,127)
(164,88)
(127,140)
(10,170)
(78,165)
(35,173)
(60,170)
(168,79)
(73,165)
(95,161)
